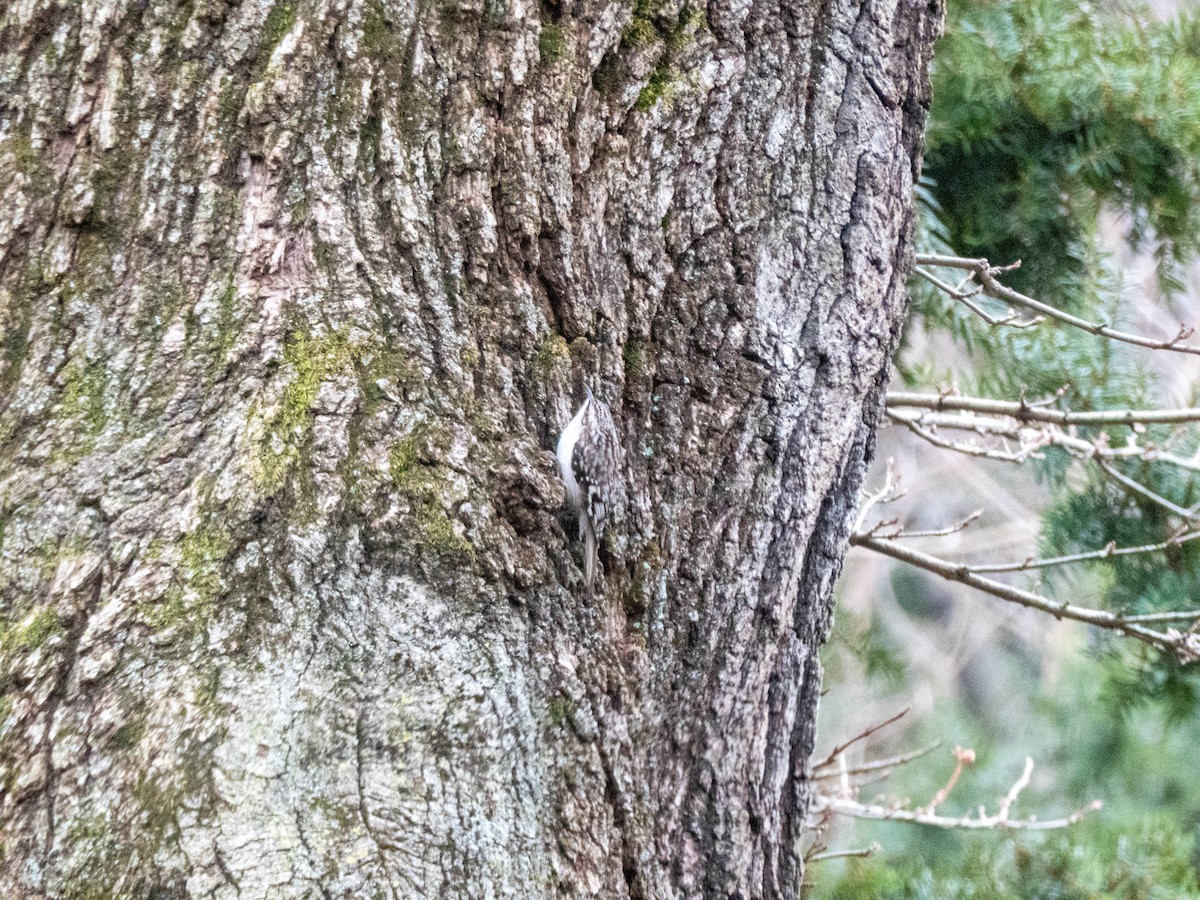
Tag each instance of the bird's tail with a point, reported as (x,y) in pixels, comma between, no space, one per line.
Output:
(590,552)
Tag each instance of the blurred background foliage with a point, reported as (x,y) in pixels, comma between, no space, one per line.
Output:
(1067,136)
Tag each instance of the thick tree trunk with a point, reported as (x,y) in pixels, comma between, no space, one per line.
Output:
(295,297)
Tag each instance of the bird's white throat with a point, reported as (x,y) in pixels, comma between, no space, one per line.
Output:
(566,448)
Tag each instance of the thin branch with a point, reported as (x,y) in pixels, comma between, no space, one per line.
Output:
(846,807)
(1173,459)
(916,426)
(992,426)
(1186,646)
(817,826)
(1187,615)
(845,803)
(955,292)
(1139,488)
(993,288)
(839,854)
(965,299)
(958,526)
(962,759)
(1019,785)
(877,765)
(1032,439)
(862,735)
(890,491)
(1024,412)
(1107,553)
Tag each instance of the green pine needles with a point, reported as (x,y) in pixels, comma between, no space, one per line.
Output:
(1047,111)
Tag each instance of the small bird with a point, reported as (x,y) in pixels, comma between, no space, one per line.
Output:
(589,454)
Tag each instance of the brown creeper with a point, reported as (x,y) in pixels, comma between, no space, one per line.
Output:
(589,459)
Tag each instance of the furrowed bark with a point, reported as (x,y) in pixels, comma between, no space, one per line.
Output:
(294,299)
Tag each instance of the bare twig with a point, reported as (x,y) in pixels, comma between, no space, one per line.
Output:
(846,807)
(1019,785)
(817,826)
(1185,645)
(965,299)
(962,759)
(987,273)
(862,735)
(958,526)
(890,491)
(838,854)
(1187,615)
(876,765)
(1138,488)
(1025,412)
(917,425)
(991,426)
(1032,439)
(1173,459)
(1107,553)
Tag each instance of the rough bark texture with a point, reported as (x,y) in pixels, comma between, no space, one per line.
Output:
(294,299)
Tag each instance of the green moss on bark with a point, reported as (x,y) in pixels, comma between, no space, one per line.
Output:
(634,356)
(559,710)
(33,631)
(645,29)
(193,600)
(552,352)
(15,343)
(312,360)
(659,87)
(279,22)
(129,735)
(551,44)
(227,324)
(102,859)
(425,485)
(83,384)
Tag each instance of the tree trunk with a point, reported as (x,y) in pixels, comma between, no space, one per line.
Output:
(295,298)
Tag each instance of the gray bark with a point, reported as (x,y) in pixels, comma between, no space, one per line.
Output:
(294,299)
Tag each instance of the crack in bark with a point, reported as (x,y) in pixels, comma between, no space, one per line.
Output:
(59,695)
(613,797)
(223,868)
(359,747)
